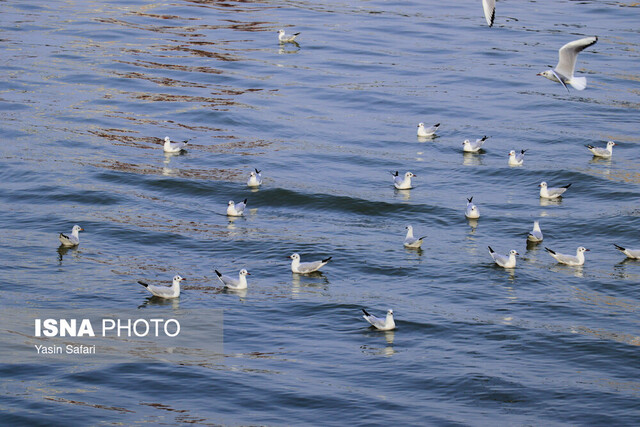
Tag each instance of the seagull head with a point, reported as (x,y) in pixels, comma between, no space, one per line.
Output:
(390,312)
(231,203)
(252,173)
(295,257)
(546,73)
(420,125)
(513,252)
(409,227)
(409,175)
(582,249)
(77,228)
(244,272)
(466,142)
(167,139)
(281,32)
(543,185)
(610,144)
(512,153)
(178,278)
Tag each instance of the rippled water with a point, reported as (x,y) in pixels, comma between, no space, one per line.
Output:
(91,88)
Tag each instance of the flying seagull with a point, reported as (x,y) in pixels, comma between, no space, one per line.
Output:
(563,72)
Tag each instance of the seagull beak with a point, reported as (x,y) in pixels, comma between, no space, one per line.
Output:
(588,250)
(248,274)
(539,74)
(82,229)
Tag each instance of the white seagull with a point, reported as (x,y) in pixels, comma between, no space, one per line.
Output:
(578,259)
(472,211)
(236,209)
(231,283)
(552,193)
(489,7)
(516,159)
(306,267)
(425,132)
(173,147)
(535,235)
(255,179)
(385,324)
(602,152)
(285,38)
(73,239)
(630,253)
(563,72)
(403,183)
(410,241)
(504,261)
(473,147)
(172,291)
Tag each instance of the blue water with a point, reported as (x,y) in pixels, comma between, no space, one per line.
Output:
(90,89)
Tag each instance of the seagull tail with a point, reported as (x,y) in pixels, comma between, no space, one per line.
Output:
(524,151)
(436,125)
(620,248)
(257,171)
(218,273)
(365,312)
(578,83)
(549,250)
(566,186)
(490,250)
(589,146)
(245,200)
(296,34)
(394,173)
(143,284)
(327,259)
(422,237)
(470,199)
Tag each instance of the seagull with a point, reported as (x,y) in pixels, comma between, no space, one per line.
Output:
(602,152)
(173,147)
(234,209)
(231,283)
(74,239)
(535,235)
(410,241)
(473,147)
(516,159)
(489,7)
(403,183)
(385,324)
(472,211)
(568,54)
(630,253)
(255,179)
(552,193)
(504,261)
(285,38)
(306,267)
(172,291)
(430,131)
(578,259)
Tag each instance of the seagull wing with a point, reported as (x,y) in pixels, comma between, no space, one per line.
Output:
(489,7)
(310,267)
(374,321)
(161,291)
(569,53)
